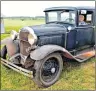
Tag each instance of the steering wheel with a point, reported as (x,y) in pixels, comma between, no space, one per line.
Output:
(70,19)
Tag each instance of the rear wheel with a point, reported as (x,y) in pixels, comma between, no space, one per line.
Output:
(48,70)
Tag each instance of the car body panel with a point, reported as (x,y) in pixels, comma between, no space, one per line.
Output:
(84,36)
(46,29)
(70,8)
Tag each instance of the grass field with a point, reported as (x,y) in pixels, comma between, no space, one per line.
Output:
(75,76)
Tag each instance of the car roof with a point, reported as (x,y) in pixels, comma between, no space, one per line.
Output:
(69,8)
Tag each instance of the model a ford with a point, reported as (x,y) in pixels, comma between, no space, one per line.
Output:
(39,51)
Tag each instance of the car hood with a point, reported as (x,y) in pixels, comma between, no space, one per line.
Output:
(48,29)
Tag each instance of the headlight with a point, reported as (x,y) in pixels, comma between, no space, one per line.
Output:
(69,28)
(13,34)
(32,39)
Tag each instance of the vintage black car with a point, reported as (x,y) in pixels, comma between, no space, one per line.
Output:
(39,51)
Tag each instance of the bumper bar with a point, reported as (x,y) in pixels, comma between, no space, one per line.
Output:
(17,68)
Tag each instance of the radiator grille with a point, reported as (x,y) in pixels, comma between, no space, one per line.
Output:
(24,44)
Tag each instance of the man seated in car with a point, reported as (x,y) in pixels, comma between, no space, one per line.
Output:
(81,20)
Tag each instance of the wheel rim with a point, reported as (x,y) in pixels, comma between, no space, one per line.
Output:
(49,70)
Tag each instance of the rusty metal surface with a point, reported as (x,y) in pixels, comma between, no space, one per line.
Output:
(41,52)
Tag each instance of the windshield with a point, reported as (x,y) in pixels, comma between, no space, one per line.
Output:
(61,16)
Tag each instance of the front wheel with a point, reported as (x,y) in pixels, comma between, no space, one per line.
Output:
(48,70)
(3,52)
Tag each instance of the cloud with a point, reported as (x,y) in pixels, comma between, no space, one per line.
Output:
(35,8)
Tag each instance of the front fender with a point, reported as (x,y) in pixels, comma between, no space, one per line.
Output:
(12,47)
(45,50)
(6,41)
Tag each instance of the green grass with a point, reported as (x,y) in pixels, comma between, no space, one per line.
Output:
(75,76)
(17,24)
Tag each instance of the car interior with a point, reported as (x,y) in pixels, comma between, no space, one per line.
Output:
(88,16)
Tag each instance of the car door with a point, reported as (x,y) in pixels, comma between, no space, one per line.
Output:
(85,33)
(84,36)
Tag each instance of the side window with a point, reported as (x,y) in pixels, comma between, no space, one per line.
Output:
(89,18)
(85,17)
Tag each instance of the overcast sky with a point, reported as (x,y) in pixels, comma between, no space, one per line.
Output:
(36,8)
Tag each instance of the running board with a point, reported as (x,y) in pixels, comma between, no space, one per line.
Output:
(81,56)
(17,68)
(86,55)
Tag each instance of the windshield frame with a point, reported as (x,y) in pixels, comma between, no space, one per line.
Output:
(59,16)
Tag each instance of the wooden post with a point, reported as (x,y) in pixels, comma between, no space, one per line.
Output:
(2,26)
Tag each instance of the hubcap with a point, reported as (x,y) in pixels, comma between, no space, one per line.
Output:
(53,70)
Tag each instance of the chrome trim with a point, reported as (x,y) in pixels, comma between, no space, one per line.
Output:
(23,58)
(17,68)
(65,44)
(31,31)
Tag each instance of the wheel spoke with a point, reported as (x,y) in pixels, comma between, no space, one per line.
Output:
(50,69)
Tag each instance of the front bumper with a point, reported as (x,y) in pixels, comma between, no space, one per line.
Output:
(17,68)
